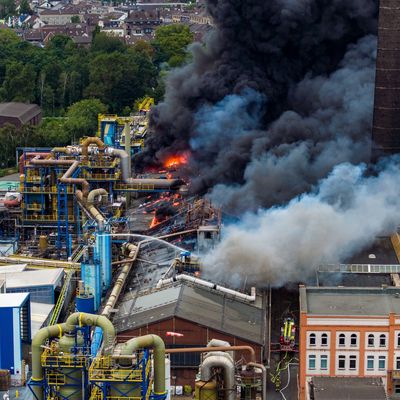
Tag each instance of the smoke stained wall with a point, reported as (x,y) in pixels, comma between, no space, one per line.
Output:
(386,125)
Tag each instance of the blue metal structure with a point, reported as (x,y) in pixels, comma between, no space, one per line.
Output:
(15,317)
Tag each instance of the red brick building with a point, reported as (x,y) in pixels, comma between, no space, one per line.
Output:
(199,314)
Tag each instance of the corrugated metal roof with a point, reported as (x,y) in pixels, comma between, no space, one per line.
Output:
(8,300)
(198,305)
(24,112)
(326,388)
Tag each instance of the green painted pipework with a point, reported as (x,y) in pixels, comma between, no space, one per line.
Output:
(85,319)
(157,344)
(75,319)
(38,341)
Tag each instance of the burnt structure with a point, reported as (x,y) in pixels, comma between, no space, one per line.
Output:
(386,123)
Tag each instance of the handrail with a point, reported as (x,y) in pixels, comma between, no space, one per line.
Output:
(61,298)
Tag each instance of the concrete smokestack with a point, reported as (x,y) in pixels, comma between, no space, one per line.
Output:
(386,123)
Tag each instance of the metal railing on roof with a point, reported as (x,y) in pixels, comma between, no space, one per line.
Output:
(360,268)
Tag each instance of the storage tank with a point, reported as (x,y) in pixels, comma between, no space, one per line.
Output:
(206,390)
(85,303)
(128,389)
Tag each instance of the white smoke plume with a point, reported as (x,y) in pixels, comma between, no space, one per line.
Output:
(284,244)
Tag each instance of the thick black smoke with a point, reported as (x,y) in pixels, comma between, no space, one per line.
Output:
(270,61)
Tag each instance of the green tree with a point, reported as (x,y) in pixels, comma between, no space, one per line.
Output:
(25,8)
(171,43)
(102,43)
(7,8)
(114,80)
(75,19)
(19,82)
(82,118)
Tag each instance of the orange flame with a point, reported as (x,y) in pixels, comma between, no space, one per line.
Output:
(154,222)
(176,160)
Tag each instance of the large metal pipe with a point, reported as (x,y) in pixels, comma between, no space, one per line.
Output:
(91,140)
(201,282)
(92,210)
(220,343)
(96,192)
(220,361)
(38,341)
(157,344)
(66,178)
(249,349)
(85,319)
(167,184)
(264,376)
(119,283)
(29,156)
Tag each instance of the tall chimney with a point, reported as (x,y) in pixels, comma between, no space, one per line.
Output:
(386,123)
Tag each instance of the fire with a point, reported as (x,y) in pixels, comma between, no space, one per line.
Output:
(176,160)
(154,222)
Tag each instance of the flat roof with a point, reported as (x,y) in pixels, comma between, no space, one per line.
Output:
(8,268)
(45,277)
(40,313)
(8,300)
(371,301)
(326,388)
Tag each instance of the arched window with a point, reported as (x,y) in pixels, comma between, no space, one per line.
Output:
(312,339)
(353,339)
(382,340)
(371,340)
(324,339)
(342,339)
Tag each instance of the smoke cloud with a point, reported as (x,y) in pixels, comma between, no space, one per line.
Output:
(285,244)
(277,69)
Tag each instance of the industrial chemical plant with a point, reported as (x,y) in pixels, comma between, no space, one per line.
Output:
(102,293)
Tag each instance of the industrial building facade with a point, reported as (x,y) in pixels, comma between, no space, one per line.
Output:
(15,332)
(349,332)
(190,316)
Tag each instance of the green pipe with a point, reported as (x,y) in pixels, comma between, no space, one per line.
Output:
(157,344)
(84,319)
(38,341)
(80,319)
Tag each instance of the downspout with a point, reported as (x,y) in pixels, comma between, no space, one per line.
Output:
(201,282)
(85,319)
(264,376)
(219,361)
(157,344)
(38,341)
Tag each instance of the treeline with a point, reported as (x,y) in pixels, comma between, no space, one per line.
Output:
(73,84)
(63,73)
